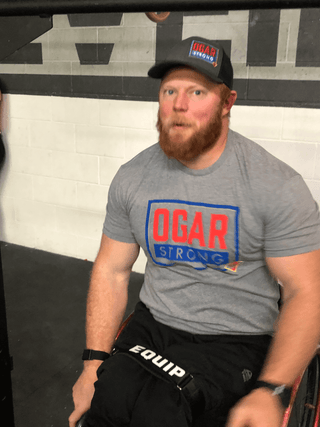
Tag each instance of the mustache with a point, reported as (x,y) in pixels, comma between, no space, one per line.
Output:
(177,121)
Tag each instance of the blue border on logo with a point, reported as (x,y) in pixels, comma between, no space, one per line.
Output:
(208,205)
(204,57)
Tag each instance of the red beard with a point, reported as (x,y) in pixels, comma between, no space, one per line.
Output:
(199,143)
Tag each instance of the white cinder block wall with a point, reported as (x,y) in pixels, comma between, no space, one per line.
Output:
(59,166)
(62,154)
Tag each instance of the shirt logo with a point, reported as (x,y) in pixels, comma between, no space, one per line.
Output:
(204,51)
(233,266)
(197,234)
(246,375)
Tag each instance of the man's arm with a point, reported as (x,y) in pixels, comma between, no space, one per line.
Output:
(295,341)
(106,304)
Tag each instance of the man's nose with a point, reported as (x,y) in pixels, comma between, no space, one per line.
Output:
(181,102)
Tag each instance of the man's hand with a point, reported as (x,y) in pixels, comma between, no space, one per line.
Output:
(83,391)
(258,409)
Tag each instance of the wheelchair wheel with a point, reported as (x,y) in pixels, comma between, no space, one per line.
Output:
(304,409)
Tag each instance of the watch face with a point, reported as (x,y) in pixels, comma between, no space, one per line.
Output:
(283,392)
(279,390)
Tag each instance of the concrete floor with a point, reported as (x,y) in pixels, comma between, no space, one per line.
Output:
(45,303)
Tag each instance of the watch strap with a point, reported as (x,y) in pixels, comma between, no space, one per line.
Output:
(282,391)
(89,354)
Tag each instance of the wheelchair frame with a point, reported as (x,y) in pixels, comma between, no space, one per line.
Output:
(304,408)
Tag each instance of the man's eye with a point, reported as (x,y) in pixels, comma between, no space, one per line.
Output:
(169,91)
(197,92)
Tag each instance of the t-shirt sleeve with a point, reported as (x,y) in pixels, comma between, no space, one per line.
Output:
(117,224)
(292,225)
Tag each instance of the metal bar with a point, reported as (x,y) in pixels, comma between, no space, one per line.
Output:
(56,7)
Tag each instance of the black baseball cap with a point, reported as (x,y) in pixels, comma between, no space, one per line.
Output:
(206,56)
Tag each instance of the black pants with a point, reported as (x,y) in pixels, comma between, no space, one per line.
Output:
(224,368)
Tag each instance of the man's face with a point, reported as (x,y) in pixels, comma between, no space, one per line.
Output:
(190,114)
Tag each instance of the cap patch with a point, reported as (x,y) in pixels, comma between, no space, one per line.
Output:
(204,51)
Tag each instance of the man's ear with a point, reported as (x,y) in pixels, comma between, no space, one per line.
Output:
(229,102)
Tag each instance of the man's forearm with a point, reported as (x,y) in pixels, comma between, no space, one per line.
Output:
(106,304)
(295,341)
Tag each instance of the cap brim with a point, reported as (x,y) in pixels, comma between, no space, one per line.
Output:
(158,71)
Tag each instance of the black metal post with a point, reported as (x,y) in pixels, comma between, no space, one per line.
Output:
(53,7)
(6,402)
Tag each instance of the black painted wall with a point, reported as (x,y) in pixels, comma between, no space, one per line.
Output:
(262,45)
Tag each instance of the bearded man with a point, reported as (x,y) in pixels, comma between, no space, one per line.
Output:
(219,219)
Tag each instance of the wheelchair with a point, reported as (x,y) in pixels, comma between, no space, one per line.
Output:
(304,407)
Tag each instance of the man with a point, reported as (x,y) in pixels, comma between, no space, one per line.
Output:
(219,219)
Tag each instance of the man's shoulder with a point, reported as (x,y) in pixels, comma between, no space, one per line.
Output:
(257,159)
(142,159)
(148,161)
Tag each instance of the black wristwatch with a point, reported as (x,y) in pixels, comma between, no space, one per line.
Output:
(282,391)
(94,355)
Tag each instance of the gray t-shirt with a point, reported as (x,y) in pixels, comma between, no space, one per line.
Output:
(206,234)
